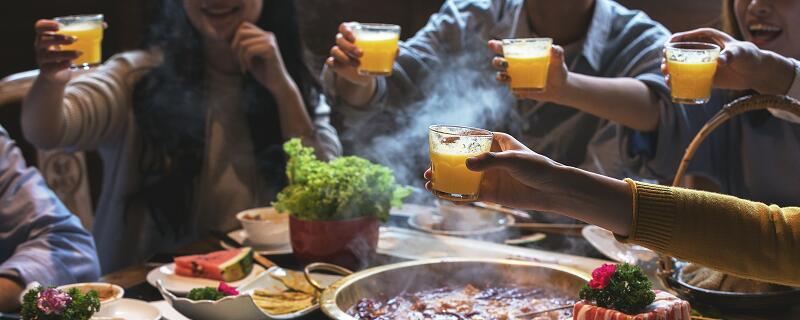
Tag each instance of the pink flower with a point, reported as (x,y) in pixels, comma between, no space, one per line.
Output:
(51,301)
(227,290)
(602,275)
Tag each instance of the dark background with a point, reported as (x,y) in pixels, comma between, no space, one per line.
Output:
(319,18)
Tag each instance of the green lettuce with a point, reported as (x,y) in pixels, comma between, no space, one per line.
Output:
(344,188)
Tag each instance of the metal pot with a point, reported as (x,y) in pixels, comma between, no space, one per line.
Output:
(394,279)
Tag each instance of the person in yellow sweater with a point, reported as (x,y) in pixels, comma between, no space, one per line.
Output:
(740,237)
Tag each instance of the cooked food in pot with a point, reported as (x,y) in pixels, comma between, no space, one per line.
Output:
(468,302)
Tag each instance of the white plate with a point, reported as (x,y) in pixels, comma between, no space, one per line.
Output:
(241,237)
(181,285)
(604,241)
(128,309)
(167,311)
(241,307)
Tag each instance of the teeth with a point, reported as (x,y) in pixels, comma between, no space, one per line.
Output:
(764,27)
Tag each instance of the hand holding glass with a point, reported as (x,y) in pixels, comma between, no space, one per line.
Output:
(379,43)
(450,146)
(691,70)
(88,30)
(528,61)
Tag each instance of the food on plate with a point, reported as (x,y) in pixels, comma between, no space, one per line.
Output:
(213,294)
(283,302)
(45,303)
(469,302)
(299,294)
(227,265)
(623,292)
(295,281)
(105,291)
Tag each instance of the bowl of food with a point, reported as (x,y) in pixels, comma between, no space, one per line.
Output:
(105,291)
(265,226)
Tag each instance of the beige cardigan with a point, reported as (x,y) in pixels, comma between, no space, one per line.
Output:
(98,114)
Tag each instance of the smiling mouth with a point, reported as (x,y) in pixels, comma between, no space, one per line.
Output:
(220,12)
(763,33)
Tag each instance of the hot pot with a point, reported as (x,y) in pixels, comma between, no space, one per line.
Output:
(394,279)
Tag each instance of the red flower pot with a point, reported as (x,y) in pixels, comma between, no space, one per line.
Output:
(349,243)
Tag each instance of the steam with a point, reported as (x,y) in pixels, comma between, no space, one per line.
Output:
(458,92)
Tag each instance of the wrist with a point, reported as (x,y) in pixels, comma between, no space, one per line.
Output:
(284,86)
(778,76)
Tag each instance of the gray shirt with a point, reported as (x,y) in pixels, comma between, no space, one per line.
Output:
(443,74)
(40,240)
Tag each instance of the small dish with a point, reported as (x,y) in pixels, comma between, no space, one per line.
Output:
(265,226)
(105,291)
(241,307)
(604,241)
(460,221)
(181,285)
(240,236)
(128,309)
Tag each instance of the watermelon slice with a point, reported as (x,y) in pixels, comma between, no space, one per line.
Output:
(227,265)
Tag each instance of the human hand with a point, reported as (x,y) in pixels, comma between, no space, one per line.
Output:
(557,74)
(345,57)
(53,62)
(741,65)
(514,176)
(9,295)
(258,53)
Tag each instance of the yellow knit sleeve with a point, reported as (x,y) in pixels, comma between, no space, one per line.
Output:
(744,238)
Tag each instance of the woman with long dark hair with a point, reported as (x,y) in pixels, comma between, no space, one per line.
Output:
(189,129)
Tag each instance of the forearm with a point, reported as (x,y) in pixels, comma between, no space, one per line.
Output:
(776,75)
(295,120)
(593,198)
(622,100)
(42,116)
(744,238)
(9,295)
(355,94)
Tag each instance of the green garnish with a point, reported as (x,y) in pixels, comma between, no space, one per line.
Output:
(622,287)
(50,303)
(344,188)
(206,293)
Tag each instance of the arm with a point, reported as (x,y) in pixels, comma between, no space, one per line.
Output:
(744,238)
(41,240)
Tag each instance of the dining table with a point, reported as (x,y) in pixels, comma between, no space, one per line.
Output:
(397,244)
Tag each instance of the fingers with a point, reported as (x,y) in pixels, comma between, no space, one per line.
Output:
(503,77)
(346,32)
(45,25)
(496,46)
(506,160)
(48,39)
(55,56)
(341,58)
(348,46)
(499,63)
(703,35)
(428,174)
(507,142)
(556,56)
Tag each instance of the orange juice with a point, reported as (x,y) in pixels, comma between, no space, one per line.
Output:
(379,50)
(450,146)
(691,82)
(528,73)
(451,175)
(88,30)
(691,70)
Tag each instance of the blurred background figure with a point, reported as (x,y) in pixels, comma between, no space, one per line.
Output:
(190,128)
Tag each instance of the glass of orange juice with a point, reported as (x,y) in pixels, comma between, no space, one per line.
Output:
(88,29)
(379,44)
(691,70)
(528,61)
(450,146)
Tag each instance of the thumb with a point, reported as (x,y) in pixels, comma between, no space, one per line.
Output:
(506,160)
